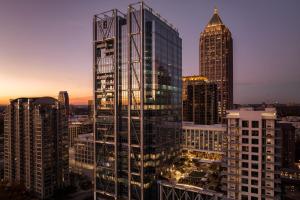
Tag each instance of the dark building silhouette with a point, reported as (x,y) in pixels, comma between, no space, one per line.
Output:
(216,61)
(137,81)
(287,131)
(199,100)
(36,145)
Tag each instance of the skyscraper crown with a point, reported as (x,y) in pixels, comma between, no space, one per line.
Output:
(215,20)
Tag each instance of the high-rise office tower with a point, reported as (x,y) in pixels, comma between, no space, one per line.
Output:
(253,157)
(36,145)
(63,98)
(199,100)
(137,90)
(216,61)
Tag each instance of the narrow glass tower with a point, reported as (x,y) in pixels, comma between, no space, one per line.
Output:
(137,95)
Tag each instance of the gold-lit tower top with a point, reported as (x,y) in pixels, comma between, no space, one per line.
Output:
(215,10)
(215,19)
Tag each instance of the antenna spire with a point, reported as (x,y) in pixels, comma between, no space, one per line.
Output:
(215,10)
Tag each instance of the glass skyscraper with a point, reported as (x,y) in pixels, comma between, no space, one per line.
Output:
(137,95)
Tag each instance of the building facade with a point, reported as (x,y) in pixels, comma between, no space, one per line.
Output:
(137,90)
(216,61)
(82,155)
(253,157)
(204,138)
(36,145)
(199,100)
(77,128)
(63,98)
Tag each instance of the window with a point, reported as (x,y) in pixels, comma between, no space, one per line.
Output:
(254,182)
(254,190)
(264,123)
(245,132)
(245,140)
(245,157)
(245,164)
(254,141)
(254,157)
(254,174)
(254,198)
(245,180)
(254,165)
(244,188)
(244,197)
(255,124)
(105,24)
(245,124)
(254,149)
(244,172)
(245,148)
(255,133)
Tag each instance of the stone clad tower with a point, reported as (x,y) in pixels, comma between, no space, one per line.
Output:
(216,61)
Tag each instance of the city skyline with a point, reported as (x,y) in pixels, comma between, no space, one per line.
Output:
(57,61)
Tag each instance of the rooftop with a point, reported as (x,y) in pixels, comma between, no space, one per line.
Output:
(191,125)
(215,20)
(194,78)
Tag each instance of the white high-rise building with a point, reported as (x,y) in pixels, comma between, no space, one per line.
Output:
(253,157)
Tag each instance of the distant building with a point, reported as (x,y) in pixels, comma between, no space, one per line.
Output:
(216,61)
(77,128)
(253,157)
(82,155)
(199,100)
(36,145)
(63,98)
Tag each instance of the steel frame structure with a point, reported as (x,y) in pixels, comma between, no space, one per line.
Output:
(107,80)
(135,27)
(109,132)
(173,191)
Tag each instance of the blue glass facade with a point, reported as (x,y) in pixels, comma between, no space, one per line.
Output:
(137,88)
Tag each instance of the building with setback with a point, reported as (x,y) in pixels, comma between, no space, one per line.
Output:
(253,157)
(137,90)
(216,61)
(36,145)
(199,100)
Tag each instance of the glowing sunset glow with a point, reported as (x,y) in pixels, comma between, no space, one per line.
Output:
(46,46)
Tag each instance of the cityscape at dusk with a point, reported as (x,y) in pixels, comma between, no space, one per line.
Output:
(149,100)
(46,45)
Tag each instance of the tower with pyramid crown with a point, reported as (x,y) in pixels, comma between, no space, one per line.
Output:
(216,61)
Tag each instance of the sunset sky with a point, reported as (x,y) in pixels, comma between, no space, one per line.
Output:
(46,46)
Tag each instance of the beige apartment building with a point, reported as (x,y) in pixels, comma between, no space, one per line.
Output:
(253,155)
